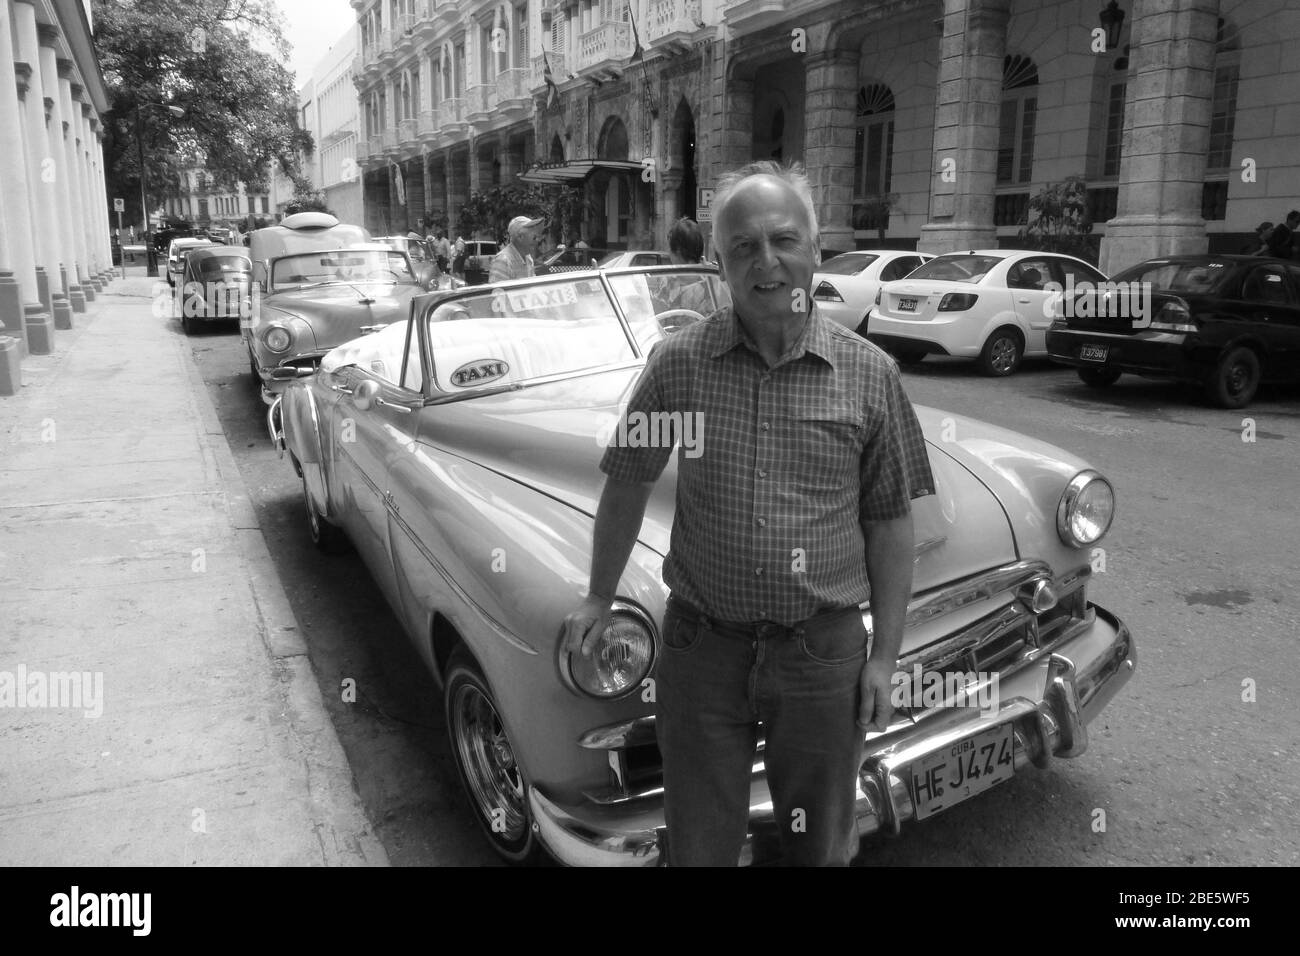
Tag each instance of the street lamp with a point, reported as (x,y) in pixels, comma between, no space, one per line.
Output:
(1112,19)
(144,179)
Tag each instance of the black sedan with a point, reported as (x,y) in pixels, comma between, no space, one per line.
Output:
(1227,322)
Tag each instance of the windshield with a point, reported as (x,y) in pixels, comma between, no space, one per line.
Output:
(846,264)
(962,267)
(1197,278)
(341,265)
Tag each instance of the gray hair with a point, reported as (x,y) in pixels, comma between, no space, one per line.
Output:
(792,175)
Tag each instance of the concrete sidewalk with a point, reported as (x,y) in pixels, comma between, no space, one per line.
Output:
(131,561)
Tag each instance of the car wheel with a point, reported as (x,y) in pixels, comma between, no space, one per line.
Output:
(493,781)
(325,536)
(908,356)
(1098,377)
(1234,382)
(1002,352)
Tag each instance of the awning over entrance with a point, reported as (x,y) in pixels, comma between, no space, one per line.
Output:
(573,172)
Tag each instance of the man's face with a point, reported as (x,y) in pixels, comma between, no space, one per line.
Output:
(767,253)
(526,241)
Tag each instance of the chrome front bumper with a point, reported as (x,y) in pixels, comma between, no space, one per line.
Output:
(1050,703)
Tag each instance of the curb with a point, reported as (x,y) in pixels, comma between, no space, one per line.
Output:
(304,705)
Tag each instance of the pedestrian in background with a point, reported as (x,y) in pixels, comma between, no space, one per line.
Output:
(458,258)
(686,247)
(1283,237)
(515,261)
(1258,246)
(811,448)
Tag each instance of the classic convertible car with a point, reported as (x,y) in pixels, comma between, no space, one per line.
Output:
(319,283)
(458,452)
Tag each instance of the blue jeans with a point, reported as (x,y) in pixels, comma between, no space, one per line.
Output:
(715,684)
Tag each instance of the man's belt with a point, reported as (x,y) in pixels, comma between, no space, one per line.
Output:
(755,630)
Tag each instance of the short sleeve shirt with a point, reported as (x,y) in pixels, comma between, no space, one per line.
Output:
(509,264)
(779,469)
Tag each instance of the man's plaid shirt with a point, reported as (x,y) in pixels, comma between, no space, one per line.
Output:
(794,459)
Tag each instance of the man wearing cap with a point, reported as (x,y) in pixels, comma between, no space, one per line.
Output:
(515,261)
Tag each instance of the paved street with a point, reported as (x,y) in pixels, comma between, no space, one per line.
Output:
(1200,564)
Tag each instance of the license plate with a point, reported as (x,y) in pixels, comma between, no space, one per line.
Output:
(906,305)
(963,770)
(1093,353)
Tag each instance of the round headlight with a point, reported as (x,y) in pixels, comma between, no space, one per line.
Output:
(620,660)
(277,339)
(1086,509)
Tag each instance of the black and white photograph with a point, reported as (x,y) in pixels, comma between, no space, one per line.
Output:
(651,433)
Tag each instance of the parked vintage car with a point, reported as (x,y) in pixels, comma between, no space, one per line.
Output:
(1226,322)
(319,283)
(990,305)
(458,451)
(478,260)
(215,285)
(176,251)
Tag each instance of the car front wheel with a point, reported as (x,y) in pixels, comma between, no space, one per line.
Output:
(325,536)
(1098,377)
(1002,352)
(1234,382)
(493,780)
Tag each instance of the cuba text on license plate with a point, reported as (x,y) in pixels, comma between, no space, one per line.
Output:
(962,770)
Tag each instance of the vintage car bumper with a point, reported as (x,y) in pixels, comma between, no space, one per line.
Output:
(1049,702)
(275,378)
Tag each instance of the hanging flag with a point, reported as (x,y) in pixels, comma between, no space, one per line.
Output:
(399,183)
(636,40)
(551,89)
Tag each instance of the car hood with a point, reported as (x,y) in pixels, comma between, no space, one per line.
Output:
(335,313)
(547,438)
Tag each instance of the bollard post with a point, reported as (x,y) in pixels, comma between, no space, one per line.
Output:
(11,371)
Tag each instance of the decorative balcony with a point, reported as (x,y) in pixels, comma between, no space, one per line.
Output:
(751,15)
(370,56)
(358,66)
(559,70)
(480,101)
(376,151)
(453,116)
(425,26)
(390,141)
(386,49)
(513,98)
(601,51)
(408,133)
(672,24)
(404,34)
(430,121)
(446,13)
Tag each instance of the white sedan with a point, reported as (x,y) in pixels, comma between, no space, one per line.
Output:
(991,305)
(845,287)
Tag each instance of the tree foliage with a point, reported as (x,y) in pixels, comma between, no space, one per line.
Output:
(1058,220)
(490,211)
(222,62)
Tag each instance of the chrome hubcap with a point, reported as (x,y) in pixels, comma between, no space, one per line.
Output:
(1004,355)
(490,768)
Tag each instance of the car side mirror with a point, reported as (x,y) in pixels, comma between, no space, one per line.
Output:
(364,396)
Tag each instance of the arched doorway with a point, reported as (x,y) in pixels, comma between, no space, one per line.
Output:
(682,146)
(611,192)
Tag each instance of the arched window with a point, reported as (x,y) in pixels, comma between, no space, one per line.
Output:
(873,142)
(1016,127)
(1223,111)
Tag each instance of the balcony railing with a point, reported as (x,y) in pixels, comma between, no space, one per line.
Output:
(429,123)
(446,12)
(670,19)
(610,41)
(390,139)
(480,101)
(512,89)
(408,131)
(453,111)
(559,70)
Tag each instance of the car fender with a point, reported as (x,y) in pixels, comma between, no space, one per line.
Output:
(1006,315)
(304,439)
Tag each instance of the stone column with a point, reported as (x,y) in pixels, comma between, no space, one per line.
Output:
(1166,134)
(17,240)
(94,210)
(831,84)
(42,180)
(81,214)
(967,110)
(58,159)
(737,140)
(98,198)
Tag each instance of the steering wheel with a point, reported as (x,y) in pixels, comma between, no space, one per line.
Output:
(688,317)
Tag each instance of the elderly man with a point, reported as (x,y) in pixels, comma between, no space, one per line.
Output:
(515,261)
(797,511)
